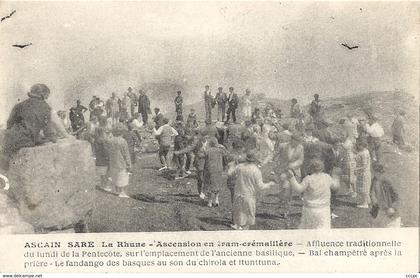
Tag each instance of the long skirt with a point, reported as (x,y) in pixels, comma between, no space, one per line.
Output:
(119,177)
(363,181)
(215,180)
(315,218)
(349,166)
(244,211)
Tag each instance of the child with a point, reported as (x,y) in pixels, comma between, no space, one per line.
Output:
(214,170)
(119,160)
(363,176)
(384,201)
(192,119)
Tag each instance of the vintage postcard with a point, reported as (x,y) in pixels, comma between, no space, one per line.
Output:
(190,136)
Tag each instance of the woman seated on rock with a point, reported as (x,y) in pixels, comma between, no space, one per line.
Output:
(29,123)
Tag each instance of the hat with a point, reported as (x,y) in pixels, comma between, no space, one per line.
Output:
(297,137)
(39,91)
(118,129)
(377,167)
(316,165)
(386,181)
(309,127)
(212,141)
(251,156)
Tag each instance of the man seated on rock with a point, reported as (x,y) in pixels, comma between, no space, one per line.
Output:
(29,123)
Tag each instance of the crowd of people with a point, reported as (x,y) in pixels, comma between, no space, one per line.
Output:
(306,158)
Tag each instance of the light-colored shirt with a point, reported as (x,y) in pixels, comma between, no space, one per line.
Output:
(248,180)
(165,126)
(316,189)
(310,139)
(136,124)
(375,130)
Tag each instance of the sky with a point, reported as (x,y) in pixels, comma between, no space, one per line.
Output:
(281,49)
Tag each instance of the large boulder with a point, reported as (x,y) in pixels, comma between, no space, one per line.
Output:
(53,184)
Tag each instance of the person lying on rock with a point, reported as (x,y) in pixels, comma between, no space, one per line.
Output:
(29,123)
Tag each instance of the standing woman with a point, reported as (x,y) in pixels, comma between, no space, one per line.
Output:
(288,156)
(349,161)
(119,160)
(316,189)
(363,174)
(248,181)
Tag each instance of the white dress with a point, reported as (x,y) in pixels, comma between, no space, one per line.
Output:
(316,212)
(246,108)
(248,180)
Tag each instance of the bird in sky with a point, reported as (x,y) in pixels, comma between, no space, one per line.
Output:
(8,16)
(349,47)
(22,45)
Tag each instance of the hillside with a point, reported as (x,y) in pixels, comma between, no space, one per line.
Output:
(383,104)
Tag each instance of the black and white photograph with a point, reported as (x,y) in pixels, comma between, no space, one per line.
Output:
(135,116)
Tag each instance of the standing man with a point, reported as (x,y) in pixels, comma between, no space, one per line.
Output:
(208,102)
(178,106)
(125,114)
(375,133)
(315,110)
(294,109)
(92,106)
(221,98)
(233,102)
(133,100)
(79,110)
(144,106)
(246,106)
(112,108)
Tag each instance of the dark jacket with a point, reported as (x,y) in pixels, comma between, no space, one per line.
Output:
(25,123)
(221,99)
(144,104)
(233,101)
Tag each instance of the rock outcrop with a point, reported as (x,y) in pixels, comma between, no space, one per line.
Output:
(53,185)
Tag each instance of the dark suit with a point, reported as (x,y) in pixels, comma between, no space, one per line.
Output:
(233,102)
(144,107)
